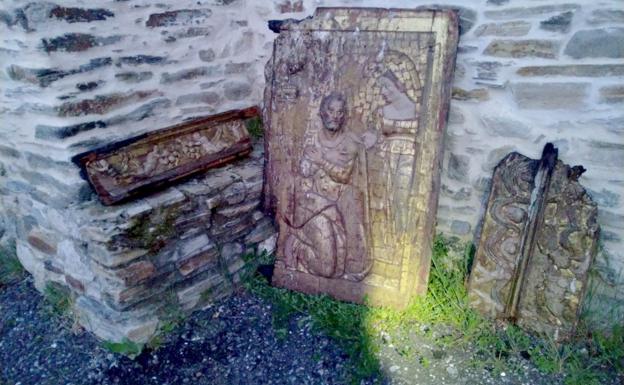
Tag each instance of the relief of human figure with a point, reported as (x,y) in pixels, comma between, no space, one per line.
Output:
(327,231)
(397,119)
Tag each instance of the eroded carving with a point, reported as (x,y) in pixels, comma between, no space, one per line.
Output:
(119,171)
(552,286)
(353,107)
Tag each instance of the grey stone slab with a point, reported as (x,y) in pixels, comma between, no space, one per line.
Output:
(504,126)
(524,12)
(612,94)
(546,96)
(547,49)
(559,23)
(578,70)
(511,28)
(595,43)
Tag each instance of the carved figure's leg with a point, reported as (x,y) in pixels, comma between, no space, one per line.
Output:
(319,245)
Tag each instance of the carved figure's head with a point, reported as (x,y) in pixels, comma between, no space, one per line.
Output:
(391,87)
(333,111)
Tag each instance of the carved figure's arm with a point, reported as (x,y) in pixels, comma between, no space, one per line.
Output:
(339,173)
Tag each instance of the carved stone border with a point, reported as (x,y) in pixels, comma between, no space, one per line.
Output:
(145,163)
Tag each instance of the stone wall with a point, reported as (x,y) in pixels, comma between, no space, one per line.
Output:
(76,76)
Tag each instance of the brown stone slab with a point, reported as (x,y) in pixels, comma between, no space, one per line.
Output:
(140,165)
(538,241)
(355,110)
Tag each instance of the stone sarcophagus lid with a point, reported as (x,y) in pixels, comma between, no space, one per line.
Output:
(538,241)
(356,105)
(142,164)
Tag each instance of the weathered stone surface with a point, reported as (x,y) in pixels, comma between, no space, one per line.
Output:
(207,97)
(207,55)
(140,59)
(547,49)
(9,152)
(480,94)
(507,127)
(522,12)
(236,90)
(559,23)
(134,77)
(77,42)
(605,198)
(341,182)
(579,70)
(287,6)
(596,43)
(136,272)
(600,16)
(102,104)
(488,70)
(51,132)
(88,86)
(510,28)
(178,17)
(460,228)
(189,74)
(45,76)
(164,156)
(538,241)
(550,95)
(112,325)
(60,133)
(459,167)
(236,68)
(79,15)
(612,94)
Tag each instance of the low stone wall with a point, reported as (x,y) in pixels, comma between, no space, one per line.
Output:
(129,266)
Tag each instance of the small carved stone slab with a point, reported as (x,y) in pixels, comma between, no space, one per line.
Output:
(355,109)
(536,246)
(144,163)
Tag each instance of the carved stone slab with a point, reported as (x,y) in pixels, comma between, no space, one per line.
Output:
(355,105)
(142,164)
(538,241)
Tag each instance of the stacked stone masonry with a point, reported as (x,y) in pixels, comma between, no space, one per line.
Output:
(77,76)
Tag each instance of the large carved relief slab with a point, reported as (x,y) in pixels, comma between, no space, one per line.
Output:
(355,108)
(141,164)
(536,245)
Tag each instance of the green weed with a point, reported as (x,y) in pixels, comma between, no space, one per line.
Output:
(126,347)
(59,298)
(11,270)
(254,127)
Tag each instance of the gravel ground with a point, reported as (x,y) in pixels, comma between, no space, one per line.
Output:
(232,342)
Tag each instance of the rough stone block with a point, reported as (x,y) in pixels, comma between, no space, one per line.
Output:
(612,94)
(559,23)
(80,15)
(178,17)
(550,95)
(524,12)
(580,70)
(507,127)
(102,104)
(596,43)
(547,49)
(511,28)
(601,16)
(77,42)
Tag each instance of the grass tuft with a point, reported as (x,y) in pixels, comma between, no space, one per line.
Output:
(126,347)
(11,270)
(254,127)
